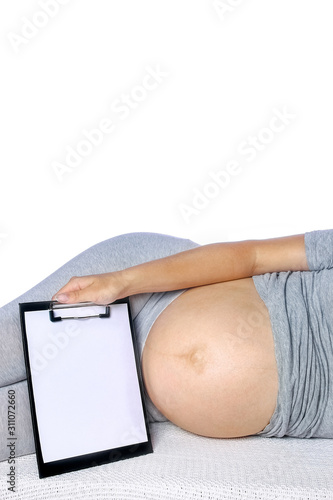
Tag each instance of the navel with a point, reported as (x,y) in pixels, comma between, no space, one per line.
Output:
(196,358)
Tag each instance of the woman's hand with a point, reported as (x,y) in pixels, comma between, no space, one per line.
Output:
(98,288)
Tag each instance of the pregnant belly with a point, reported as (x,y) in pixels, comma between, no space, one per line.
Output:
(209,364)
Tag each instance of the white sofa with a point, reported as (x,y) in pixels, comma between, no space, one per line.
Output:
(186,466)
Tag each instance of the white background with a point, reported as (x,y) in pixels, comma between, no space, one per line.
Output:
(227,72)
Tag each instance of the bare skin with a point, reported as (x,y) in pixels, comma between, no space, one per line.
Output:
(208,363)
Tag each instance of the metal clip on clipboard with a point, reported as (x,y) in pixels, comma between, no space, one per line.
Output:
(56,305)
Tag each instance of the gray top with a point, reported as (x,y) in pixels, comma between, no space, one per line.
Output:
(300,306)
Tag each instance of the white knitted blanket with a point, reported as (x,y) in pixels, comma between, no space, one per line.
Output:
(184,466)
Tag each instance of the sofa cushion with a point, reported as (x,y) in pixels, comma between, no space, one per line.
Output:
(186,466)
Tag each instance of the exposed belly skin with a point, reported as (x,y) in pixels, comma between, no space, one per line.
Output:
(209,363)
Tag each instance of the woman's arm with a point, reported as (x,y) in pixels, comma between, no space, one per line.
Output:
(218,262)
(202,265)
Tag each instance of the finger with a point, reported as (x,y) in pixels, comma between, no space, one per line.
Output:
(92,293)
(76,283)
(75,296)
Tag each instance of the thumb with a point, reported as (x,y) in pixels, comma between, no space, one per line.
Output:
(76,290)
(74,297)
(62,297)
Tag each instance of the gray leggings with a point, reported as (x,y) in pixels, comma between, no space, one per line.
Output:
(110,255)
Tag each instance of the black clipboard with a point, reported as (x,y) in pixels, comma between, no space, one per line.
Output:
(85,384)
